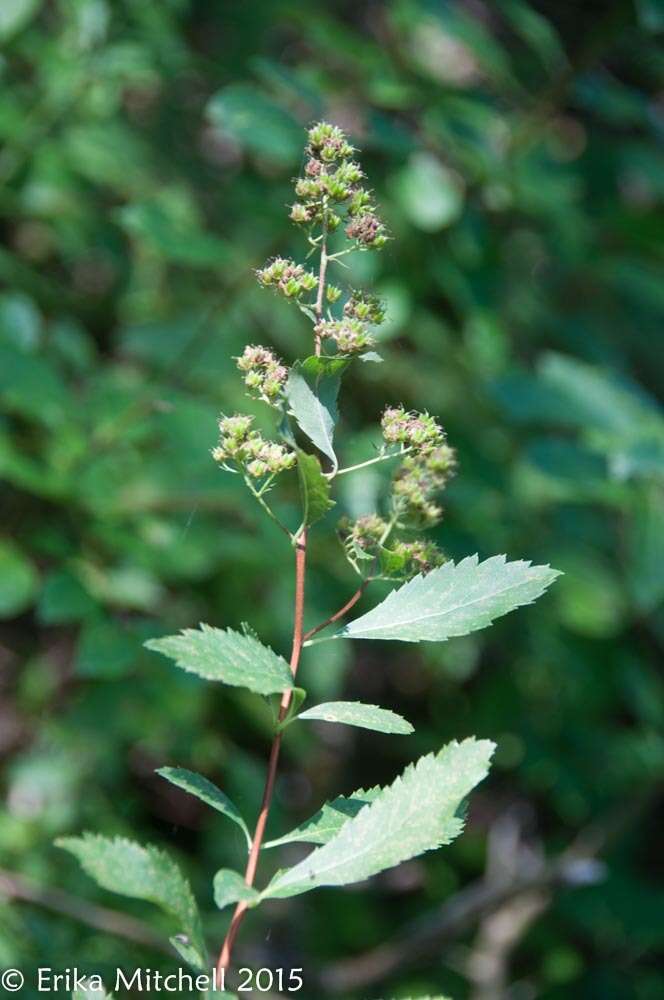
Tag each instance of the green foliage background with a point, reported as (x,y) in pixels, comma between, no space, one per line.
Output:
(147,155)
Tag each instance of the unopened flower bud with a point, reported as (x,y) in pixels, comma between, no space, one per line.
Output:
(366,307)
(236,427)
(300,213)
(368,230)
(257,468)
(264,372)
(290,278)
(350,335)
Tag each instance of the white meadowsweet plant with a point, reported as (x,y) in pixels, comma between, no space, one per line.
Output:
(434,599)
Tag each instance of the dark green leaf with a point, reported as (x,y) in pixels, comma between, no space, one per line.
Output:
(206,791)
(230,887)
(313,403)
(314,488)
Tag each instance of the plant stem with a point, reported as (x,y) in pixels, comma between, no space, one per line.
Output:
(257,840)
(370,461)
(300,543)
(340,613)
(318,308)
(266,507)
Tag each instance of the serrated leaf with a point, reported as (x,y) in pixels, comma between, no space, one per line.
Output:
(314,489)
(182,946)
(329,819)
(206,791)
(227,656)
(417,813)
(230,887)
(313,403)
(453,600)
(141,872)
(355,713)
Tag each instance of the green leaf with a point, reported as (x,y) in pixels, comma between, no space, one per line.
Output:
(15,14)
(139,872)
(313,403)
(230,887)
(392,564)
(314,488)
(646,549)
(173,238)
(417,813)
(355,713)
(317,365)
(431,195)
(453,600)
(298,695)
(327,822)
(244,113)
(18,580)
(106,649)
(206,791)
(372,356)
(32,386)
(439,996)
(92,989)
(227,656)
(64,599)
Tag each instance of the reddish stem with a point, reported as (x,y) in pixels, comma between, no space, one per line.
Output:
(338,614)
(257,840)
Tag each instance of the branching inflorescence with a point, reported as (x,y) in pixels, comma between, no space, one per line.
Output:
(358,836)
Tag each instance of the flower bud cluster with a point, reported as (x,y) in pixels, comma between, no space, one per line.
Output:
(418,556)
(264,373)
(331,178)
(364,534)
(365,307)
(419,431)
(328,143)
(350,335)
(422,476)
(287,277)
(365,539)
(364,226)
(249,449)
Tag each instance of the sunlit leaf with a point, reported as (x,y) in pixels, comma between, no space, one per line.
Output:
(417,813)
(453,600)
(314,488)
(141,872)
(227,656)
(329,819)
(355,713)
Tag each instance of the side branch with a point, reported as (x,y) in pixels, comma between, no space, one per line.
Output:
(338,614)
